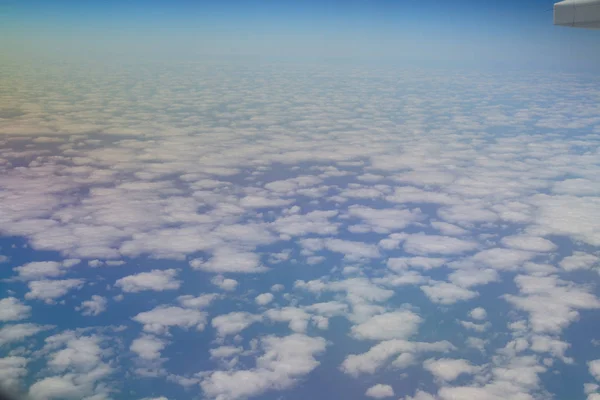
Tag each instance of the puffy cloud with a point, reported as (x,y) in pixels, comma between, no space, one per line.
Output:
(161,318)
(467,278)
(579,260)
(425,263)
(155,280)
(392,325)
(552,303)
(447,293)
(43,269)
(12,371)
(226,260)
(234,322)
(11,309)
(284,361)
(297,318)
(528,243)
(379,391)
(577,217)
(148,347)
(94,306)
(594,368)
(385,220)
(198,302)
(50,290)
(448,369)
(264,299)
(381,353)
(18,332)
(226,284)
(431,244)
(478,313)
(496,258)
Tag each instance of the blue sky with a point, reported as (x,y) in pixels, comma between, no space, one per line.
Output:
(509,34)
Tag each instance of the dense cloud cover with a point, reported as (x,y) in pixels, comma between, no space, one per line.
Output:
(231,232)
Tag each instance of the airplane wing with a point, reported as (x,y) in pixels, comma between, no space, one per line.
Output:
(578,13)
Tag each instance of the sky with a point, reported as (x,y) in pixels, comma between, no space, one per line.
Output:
(503,35)
(284,200)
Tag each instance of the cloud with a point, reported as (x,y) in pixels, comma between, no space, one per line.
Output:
(297,318)
(234,322)
(528,243)
(161,318)
(579,260)
(381,353)
(11,309)
(447,293)
(227,260)
(44,269)
(594,368)
(426,263)
(392,325)
(199,302)
(226,284)
(18,332)
(447,369)
(148,347)
(155,280)
(478,313)
(431,244)
(50,290)
(12,371)
(379,391)
(385,220)
(284,361)
(96,305)
(264,298)
(552,303)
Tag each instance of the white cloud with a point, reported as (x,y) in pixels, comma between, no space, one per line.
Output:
(50,290)
(478,313)
(381,353)
(497,258)
(297,318)
(284,361)
(94,306)
(385,220)
(448,369)
(528,243)
(579,260)
(155,280)
(379,391)
(198,302)
(11,309)
(44,269)
(447,293)
(594,368)
(449,229)
(431,244)
(467,278)
(425,263)
(227,260)
(264,299)
(234,322)
(577,217)
(148,347)
(12,371)
(552,303)
(226,284)
(392,325)
(161,318)
(19,332)
(225,351)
